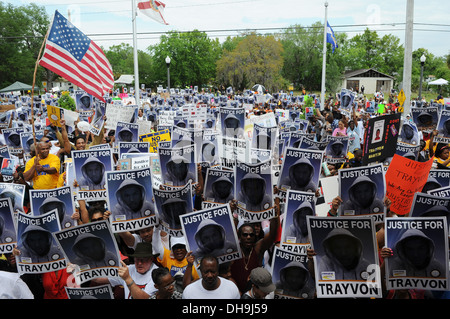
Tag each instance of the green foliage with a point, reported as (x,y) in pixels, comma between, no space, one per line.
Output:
(193,56)
(22,29)
(256,59)
(67,102)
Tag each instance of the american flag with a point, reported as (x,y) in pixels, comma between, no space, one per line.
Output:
(72,55)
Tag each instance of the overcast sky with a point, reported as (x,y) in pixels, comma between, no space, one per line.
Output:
(222,18)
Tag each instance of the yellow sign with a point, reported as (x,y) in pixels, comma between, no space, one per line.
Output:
(154,138)
(54,115)
(401,97)
(400,109)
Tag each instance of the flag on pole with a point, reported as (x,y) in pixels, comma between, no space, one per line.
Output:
(153,9)
(330,37)
(72,55)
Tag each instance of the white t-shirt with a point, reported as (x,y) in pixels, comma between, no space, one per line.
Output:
(13,287)
(226,290)
(144,281)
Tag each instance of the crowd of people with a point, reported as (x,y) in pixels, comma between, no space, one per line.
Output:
(156,265)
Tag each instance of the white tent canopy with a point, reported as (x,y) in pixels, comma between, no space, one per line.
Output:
(438,82)
(125,79)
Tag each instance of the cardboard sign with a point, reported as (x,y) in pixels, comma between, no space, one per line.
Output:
(404,178)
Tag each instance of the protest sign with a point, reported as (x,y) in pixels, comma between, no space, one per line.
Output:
(338,275)
(381,138)
(219,187)
(426,118)
(54,115)
(90,167)
(291,276)
(178,165)
(130,199)
(16,193)
(420,253)
(27,139)
(362,190)
(298,205)
(98,118)
(97,292)
(409,134)
(210,149)
(404,178)
(336,150)
(39,253)
(8,231)
(232,150)
(117,113)
(211,232)
(437,178)
(154,138)
(300,170)
(12,139)
(170,205)
(133,147)
(232,121)
(441,192)
(253,191)
(92,248)
(427,205)
(44,200)
(264,137)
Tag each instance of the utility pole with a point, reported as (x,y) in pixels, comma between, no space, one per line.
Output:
(407,60)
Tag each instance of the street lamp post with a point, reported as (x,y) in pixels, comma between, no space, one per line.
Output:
(168,71)
(422,62)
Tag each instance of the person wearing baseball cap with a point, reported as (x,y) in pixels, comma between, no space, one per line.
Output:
(261,284)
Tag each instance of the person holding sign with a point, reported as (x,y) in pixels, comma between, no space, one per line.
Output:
(363,198)
(43,169)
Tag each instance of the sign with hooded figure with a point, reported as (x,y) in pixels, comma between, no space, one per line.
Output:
(253,191)
(300,170)
(427,205)
(346,263)
(211,232)
(409,133)
(291,276)
(232,122)
(426,118)
(443,127)
(92,248)
(336,150)
(16,193)
(178,165)
(43,201)
(420,253)
(90,167)
(130,199)
(39,252)
(362,190)
(295,228)
(219,187)
(170,205)
(8,231)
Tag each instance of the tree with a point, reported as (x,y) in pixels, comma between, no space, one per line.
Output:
(193,56)
(256,59)
(22,31)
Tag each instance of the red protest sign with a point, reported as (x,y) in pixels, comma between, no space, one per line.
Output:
(404,178)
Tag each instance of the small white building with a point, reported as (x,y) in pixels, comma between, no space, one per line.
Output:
(61,84)
(372,80)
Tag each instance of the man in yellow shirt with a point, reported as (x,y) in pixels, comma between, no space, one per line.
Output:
(43,169)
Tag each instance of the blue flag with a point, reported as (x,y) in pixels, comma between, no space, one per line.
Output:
(330,37)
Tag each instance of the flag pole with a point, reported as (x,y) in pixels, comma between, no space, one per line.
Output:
(34,81)
(135,53)
(324,61)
